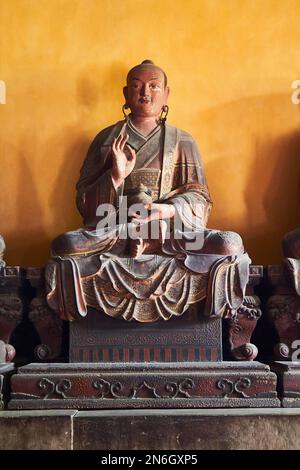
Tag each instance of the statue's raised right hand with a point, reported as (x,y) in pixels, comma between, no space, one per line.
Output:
(124,159)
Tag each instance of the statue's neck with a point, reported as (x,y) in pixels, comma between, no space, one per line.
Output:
(145,125)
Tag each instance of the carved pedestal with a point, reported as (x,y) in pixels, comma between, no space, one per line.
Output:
(165,364)
(284,311)
(46,322)
(157,385)
(98,338)
(6,371)
(11,302)
(241,327)
(288,377)
(192,337)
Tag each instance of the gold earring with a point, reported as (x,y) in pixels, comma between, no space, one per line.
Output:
(164,113)
(124,107)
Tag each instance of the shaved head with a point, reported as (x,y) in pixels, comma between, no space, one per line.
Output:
(146,65)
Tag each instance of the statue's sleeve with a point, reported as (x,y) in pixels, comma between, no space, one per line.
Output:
(190,194)
(95,184)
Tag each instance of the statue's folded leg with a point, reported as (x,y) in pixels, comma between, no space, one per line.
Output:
(222,255)
(84,242)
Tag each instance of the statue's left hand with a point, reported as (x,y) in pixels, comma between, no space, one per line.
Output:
(123,159)
(156,212)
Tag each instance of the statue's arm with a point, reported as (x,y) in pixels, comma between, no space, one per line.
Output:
(95,185)
(190,193)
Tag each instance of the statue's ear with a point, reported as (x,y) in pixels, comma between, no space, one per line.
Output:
(125,93)
(167,91)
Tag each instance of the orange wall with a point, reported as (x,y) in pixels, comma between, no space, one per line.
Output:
(230,65)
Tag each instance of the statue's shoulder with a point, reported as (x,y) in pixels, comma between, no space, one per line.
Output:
(182,135)
(108,133)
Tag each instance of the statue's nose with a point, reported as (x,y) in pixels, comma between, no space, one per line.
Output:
(145,90)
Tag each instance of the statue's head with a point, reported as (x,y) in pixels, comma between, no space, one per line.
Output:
(146,92)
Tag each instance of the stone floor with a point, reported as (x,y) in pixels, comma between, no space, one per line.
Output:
(227,429)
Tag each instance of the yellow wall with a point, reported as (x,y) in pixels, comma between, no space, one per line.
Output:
(230,65)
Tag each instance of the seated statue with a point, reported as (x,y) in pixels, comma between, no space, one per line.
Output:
(284,303)
(144,251)
(7,351)
(291,251)
(2,250)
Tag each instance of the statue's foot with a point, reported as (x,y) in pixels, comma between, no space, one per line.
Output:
(148,246)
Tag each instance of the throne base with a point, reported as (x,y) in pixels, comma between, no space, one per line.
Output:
(288,375)
(153,385)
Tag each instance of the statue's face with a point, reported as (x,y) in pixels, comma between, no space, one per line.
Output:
(146,92)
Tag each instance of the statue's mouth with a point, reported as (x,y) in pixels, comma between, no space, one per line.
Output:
(144,101)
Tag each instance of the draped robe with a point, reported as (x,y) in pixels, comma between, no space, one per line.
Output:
(92,268)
